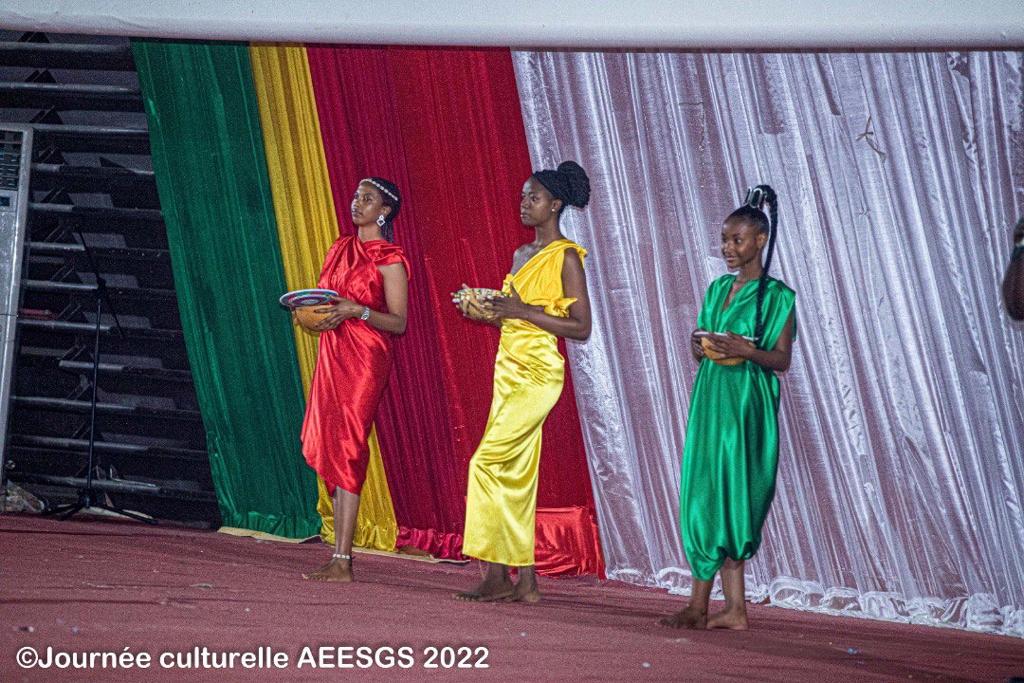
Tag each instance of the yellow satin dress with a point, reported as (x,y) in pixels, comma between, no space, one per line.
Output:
(501,502)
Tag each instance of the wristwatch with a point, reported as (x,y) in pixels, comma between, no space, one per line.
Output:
(365,315)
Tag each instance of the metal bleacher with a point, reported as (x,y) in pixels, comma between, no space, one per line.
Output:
(91,177)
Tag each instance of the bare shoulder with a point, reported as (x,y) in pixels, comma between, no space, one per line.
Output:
(394,270)
(523,251)
(572,263)
(523,254)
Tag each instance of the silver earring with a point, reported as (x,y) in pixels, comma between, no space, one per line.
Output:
(381,220)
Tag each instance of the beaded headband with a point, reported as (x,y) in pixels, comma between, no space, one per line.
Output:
(380,187)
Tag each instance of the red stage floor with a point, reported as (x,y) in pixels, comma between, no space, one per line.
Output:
(82,586)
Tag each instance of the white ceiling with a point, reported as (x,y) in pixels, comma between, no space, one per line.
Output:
(683,24)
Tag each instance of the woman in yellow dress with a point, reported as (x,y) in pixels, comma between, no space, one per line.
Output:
(546,297)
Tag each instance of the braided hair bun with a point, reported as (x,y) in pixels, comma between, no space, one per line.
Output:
(577,182)
(568,183)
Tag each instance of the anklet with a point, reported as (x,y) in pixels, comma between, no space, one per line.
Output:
(341,556)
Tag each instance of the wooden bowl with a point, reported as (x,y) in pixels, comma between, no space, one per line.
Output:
(717,357)
(308,317)
(469,299)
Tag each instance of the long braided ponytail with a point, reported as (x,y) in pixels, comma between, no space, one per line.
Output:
(757,197)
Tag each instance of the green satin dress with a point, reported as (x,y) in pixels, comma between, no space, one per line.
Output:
(732,438)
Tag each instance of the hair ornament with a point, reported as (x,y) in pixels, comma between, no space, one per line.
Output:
(380,187)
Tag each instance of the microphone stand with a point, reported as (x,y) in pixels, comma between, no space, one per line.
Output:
(89,497)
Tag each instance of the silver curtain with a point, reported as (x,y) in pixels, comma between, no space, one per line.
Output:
(901,483)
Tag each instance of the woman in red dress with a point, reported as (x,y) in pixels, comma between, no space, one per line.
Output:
(371,277)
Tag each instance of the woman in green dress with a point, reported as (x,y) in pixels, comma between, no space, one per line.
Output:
(745,334)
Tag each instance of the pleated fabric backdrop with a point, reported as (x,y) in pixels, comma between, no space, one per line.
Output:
(901,481)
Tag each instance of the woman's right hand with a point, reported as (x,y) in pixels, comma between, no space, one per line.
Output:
(696,348)
(336,313)
(332,318)
(330,315)
(316,327)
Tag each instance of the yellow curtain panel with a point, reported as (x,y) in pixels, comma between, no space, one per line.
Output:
(307,226)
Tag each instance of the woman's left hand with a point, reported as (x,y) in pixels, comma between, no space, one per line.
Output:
(732,345)
(511,306)
(341,310)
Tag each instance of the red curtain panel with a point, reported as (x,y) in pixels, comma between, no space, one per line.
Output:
(445,125)
(359,122)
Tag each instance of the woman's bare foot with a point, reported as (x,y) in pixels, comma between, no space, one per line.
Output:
(336,570)
(732,618)
(691,617)
(489,590)
(526,591)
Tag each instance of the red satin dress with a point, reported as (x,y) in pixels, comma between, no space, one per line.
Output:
(352,366)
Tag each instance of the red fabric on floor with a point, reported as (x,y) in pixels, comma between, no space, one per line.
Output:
(105,586)
(567,542)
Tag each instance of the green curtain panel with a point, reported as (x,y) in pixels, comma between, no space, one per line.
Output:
(211,173)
